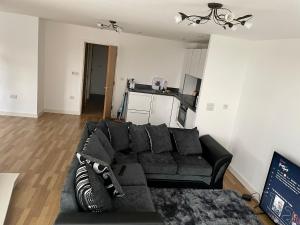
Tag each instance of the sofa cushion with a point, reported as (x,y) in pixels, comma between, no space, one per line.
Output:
(136,199)
(68,201)
(95,149)
(193,165)
(187,141)
(160,140)
(132,175)
(139,140)
(162,163)
(118,135)
(105,142)
(90,191)
(103,127)
(104,171)
(121,157)
(91,126)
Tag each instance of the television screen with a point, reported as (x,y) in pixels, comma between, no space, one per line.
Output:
(281,196)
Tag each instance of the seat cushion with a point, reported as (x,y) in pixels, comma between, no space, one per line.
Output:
(187,141)
(136,199)
(118,135)
(193,165)
(139,140)
(160,139)
(121,157)
(133,175)
(162,163)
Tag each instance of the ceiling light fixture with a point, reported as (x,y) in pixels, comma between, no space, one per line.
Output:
(221,16)
(111,26)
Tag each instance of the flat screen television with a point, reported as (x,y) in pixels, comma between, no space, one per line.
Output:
(281,195)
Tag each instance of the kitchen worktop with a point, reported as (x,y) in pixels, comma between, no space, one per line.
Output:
(186,100)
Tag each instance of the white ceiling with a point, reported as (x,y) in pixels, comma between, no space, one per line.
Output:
(273,19)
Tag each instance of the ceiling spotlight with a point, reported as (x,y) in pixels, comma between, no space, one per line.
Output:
(221,16)
(111,26)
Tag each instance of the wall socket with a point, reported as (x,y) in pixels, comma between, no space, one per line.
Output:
(13,96)
(210,106)
(72,97)
(75,73)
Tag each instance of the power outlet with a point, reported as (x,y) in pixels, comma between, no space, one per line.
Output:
(75,73)
(225,106)
(210,106)
(72,97)
(13,96)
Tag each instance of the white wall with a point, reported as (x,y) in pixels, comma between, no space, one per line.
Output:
(99,67)
(222,83)
(41,59)
(139,57)
(269,113)
(18,64)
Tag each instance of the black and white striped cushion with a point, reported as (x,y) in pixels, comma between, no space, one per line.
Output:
(105,172)
(86,192)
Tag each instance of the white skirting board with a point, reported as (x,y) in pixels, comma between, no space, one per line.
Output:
(7,182)
(2,113)
(76,113)
(243,181)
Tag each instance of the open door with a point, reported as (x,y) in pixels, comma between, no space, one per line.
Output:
(110,81)
(87,74)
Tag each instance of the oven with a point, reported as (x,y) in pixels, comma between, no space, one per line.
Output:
(182,114)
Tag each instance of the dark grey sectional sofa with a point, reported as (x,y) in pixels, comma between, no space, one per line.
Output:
(143,170)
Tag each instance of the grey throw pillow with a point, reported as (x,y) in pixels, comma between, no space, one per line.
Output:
(95,149)
(90,191)
(118,135)
(103,127)
(105,142)
(104,171)
(160,140)
(187,141)
(139,139)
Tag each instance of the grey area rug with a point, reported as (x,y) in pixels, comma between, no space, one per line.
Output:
(202,207)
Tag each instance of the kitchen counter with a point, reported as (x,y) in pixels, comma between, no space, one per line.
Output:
(186,100)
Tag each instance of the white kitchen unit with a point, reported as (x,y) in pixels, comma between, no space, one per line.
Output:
(138,108)
(151,108)
(190,119)
(194,62)
(161,109)
(139,101)
(174,114)
(137,117)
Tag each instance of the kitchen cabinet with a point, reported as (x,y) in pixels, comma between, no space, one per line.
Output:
(137,117)
(138,108)
(139,101)
(174,113)
(190,119)
(151,108)
(194,62)
(161,109)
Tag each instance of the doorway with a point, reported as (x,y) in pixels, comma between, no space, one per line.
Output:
(99,74)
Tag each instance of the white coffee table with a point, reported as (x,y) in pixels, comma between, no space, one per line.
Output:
(7,182)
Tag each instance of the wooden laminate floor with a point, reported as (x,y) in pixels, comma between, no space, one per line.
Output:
(41,150)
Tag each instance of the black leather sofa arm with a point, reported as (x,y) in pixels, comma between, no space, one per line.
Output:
(113,218)
(218,157)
